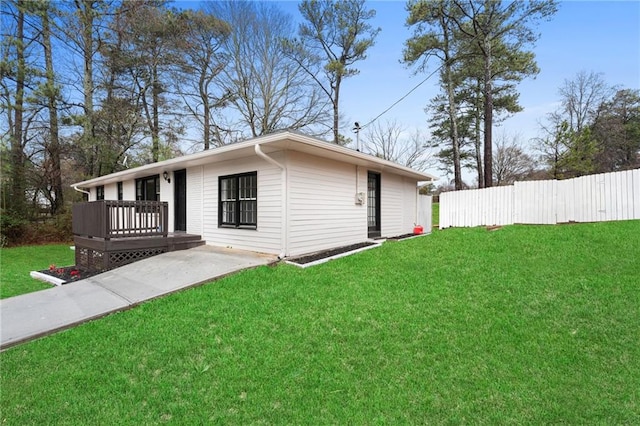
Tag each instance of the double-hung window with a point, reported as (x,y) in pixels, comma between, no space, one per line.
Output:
(148,188)
(100,192)
(238,200)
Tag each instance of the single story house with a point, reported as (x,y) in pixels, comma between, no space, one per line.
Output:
(284,193)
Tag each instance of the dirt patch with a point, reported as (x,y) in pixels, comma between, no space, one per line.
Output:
(328,253)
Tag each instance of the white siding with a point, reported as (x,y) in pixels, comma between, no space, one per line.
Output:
(111,191)
(398,205)
(267,237)
(323,212)
(166,194)
(129,190)
(194,200)
(320,203)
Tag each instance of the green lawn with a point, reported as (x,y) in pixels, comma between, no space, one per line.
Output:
(17,262)
(523,325)
(435,214)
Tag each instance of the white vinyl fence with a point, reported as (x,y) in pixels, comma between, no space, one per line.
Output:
(594,198)
(425,203)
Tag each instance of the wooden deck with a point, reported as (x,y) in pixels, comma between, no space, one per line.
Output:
(108,234)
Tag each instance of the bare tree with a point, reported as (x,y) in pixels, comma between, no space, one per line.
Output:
(51,93)
(138,50)
(79,28)
(551,146)
(510,162)
(390,142)
(581,97)
(567,144)
(203,59)
(268,89)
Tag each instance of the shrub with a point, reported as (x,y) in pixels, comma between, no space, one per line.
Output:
(17,231)
(12,228)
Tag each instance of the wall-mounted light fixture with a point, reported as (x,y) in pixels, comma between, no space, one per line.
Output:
(165,175)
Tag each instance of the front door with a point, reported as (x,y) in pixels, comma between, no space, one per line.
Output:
(180,200)
(373,204)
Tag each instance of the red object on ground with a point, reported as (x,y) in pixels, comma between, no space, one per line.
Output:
(418,229)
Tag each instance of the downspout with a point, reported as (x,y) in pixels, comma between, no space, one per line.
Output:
(417,207)
(81,190)
(285,205)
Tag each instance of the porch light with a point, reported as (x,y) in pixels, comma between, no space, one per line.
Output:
(165,175)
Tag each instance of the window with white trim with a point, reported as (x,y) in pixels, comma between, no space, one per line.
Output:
(238,200)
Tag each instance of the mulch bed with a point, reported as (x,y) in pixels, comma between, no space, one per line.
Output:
(328,253)
(401,237)
(68,273)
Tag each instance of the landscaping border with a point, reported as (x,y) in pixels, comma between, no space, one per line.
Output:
(331,257)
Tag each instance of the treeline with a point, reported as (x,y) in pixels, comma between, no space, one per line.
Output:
(90,87)
(481,50)
(595,129)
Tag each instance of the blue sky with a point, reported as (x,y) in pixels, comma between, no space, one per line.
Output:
(599,36)
(591,36)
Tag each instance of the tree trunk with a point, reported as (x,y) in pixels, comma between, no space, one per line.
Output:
(206,111)
(453,119)
(54,142)
(457,171)
(477,140)
(336,112)
(488,118)
(207,130)
(17,200)
(85,10)
(155,128)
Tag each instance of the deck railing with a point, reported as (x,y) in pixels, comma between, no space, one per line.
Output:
(120,219)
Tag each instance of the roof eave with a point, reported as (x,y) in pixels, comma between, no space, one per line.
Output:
(203,157)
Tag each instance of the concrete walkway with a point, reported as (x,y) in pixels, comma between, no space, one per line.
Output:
(37,314)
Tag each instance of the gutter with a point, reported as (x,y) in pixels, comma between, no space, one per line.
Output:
(81,190)
(285,203)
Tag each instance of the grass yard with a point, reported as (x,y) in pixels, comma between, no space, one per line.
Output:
(435,215)
(523,325)
(17,262)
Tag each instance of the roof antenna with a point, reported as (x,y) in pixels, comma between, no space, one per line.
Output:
(124,161)
(356,128)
